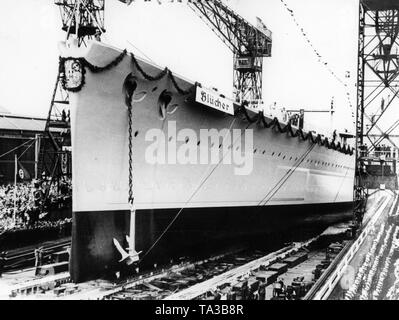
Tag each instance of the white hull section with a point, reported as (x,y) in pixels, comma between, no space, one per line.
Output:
(99,119)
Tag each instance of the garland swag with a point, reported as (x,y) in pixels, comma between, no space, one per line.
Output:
(163,73)
(293,132)
(258,118)
(83,64)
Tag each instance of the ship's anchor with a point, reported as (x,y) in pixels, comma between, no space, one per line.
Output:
(130,256)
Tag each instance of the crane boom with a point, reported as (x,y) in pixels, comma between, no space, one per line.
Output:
(242,37)
(249,44)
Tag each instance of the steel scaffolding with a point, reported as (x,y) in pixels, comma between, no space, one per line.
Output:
(377,84)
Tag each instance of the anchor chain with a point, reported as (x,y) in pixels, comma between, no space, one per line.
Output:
(130,196)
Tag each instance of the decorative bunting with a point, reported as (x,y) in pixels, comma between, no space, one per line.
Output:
(320,58)
(78,71)
(293,132)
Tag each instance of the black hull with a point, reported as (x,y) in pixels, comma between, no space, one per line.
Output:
(195,231)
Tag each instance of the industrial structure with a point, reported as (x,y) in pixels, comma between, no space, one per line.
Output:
(21,138)
(378,70)
(248,44)
(84,19)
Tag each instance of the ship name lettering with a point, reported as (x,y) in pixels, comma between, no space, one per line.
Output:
(209,99)
(203,96)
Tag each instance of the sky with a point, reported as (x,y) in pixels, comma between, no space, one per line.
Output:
(172,35)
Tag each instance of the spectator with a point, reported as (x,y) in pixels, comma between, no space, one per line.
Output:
(38,259)
(97,35)
(335,135)
(301,118)
(63,116)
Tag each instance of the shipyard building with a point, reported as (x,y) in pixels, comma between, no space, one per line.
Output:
(24,147)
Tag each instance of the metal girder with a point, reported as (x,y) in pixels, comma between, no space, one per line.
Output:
(360,80)
(373,122)
(378,71)
(359,191)
(242,37)
(374,5)
(378,65)
(248,85)
(247,43)
(82,18)
(378,135)
(384,136)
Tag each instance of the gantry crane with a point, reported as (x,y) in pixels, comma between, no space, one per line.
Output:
(378,71)
(248,44)
(85,19)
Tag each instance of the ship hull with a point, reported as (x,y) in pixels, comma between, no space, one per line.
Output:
(197,232)
(214,200)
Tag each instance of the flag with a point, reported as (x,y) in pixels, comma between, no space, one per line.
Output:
(22,173)
(262,27)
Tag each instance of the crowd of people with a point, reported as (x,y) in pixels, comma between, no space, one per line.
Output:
(27,205)
(385,150)
(380,150)
(285,116)
(375,269)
